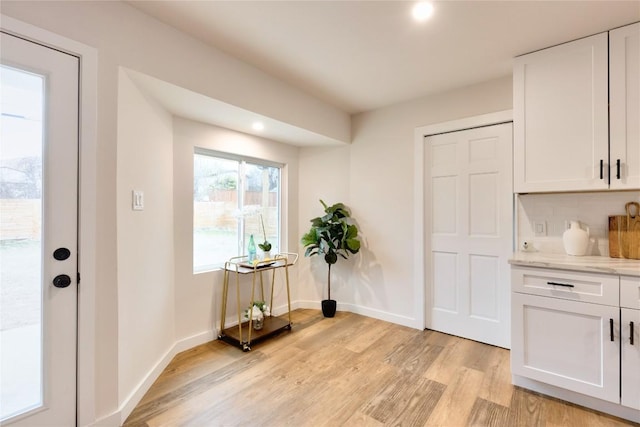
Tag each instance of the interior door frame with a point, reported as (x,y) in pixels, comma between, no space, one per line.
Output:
(87,189)
(422,215)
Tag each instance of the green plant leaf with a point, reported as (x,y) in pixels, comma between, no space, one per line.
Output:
(310,238)
(336,207)
(327,218)
(266,246)
(352,245)
(345,229)
(339,213)
(328,241)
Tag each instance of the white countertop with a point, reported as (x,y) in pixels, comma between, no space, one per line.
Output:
(593,264)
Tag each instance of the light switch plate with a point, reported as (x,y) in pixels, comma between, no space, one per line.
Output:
(137,200)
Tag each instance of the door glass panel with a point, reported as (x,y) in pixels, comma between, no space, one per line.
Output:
(21,148)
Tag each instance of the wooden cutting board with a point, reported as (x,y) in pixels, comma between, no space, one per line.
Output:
(617,229)
(624,233)
(631,238)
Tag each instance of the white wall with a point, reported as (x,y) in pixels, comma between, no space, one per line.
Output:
(374,176)
(198,296)
(591,209)
(162,309)
(324,174)
(145,238)
(377,184)
(125,37)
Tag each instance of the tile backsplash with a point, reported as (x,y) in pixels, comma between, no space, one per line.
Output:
(551,214)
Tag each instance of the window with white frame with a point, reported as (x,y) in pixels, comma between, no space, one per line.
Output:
(234,197)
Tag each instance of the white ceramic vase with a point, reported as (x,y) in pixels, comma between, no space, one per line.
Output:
(576,240)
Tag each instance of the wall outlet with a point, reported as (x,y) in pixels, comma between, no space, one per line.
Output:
(540,228)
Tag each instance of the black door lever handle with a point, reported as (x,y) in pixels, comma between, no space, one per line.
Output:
(61,281)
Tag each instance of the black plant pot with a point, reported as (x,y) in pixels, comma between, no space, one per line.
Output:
(328,307)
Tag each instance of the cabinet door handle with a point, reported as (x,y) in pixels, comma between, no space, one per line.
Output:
(611,329)
(566,285)
(631,333)
(601,169)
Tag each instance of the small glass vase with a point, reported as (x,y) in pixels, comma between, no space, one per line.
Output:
(258,323)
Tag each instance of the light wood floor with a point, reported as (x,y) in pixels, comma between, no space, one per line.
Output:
(355,371)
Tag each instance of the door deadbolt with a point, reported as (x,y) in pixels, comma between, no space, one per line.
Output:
(61,254)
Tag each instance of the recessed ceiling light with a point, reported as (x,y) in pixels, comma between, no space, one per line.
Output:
(257,126)
(422,11)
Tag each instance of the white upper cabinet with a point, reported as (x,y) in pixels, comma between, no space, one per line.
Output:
(624,99)
(561,115)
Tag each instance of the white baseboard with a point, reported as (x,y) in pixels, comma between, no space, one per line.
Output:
(111,420)
(193,341)
(369,312)
(313,305)
(129,404)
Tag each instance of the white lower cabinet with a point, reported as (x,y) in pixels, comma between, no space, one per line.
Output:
(568,331)
(630,341)
(630,358)
(569,344)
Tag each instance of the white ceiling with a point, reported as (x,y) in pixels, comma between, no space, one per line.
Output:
(362,55)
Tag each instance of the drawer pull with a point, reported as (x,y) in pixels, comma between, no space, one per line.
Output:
(618,169)
(631,333)
(566,285)
(611,329)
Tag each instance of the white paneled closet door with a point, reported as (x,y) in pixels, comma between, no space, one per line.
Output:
(471,233)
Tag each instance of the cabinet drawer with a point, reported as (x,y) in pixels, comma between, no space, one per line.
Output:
(576,286)
(630,292)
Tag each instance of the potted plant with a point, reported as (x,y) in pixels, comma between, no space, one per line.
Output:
(265,246)
(332,236)
(256,313)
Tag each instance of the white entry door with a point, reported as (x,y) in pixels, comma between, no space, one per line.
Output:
(38,234)
(471,233)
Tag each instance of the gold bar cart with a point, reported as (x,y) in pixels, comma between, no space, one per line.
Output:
(243,334)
